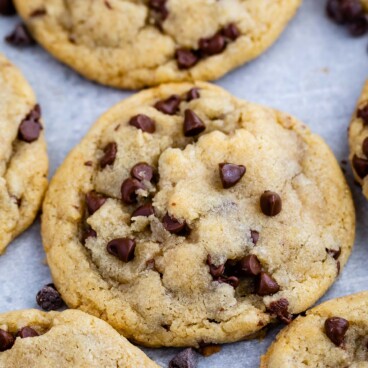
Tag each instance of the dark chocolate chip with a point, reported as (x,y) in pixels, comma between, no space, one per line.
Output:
(172,225)
(215,271)
(142,171)
(185,359)
(266,285)
(343,11)
(231,280)
(358,27)
(159,6)
(129,190)
(7,7)
(145,210)
(186,59)
(365,147)
(144,123)
(88,233)
(360,166)
(280,309)
(335,328)
(230,174)
(334,253)
(271,203)
(30,127)
(169,106)
(255,236)
(362,113)
(109,156)
(231,31)
(250,265)
(20,36)
(48,298)
(94,201)
(193,125)
(193,94)
(6,340)
(25,332)
(212,45)
(122,248)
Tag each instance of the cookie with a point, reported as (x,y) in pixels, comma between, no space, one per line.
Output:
(358,141)
(23,156)
(31,338)
(134,44)
(334,334)
(187,216)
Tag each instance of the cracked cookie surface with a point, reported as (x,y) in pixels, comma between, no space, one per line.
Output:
(331,335)
(138,43)
(187,216)
(23,156)
(31,338)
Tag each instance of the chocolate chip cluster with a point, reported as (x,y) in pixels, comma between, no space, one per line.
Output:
(7,339)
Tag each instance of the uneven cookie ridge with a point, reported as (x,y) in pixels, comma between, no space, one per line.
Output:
(333,334)
(134,44)
(23,156)
(40,339)
(199,224)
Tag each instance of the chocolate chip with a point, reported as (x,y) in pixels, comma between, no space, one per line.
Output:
(38,13)
(144,123)
(362,113)
(250,265)
(186,58)
(335,328)
(255,236)
(334,253)
(48,298)
(88,163)
(109,156)
(231,280)
(212,45)
(343,11)
(185,359)
(266,285)
(231,31)
(129,190)
(88,233)
(365,147)
(280,309)
(193,94)
(169,106)
(359,26)
(30,127)
(271,203)
(193,125)
(94,201)
(122,248)
(159,6)
(6,340)
(230,174)
(145,211)
(360,166)
(142,171)
(7,7)
(25,332)
(215,271)
(20,36)
(172,225)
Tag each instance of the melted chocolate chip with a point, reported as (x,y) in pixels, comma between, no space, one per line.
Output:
(231,31)
(94,201)
(280,309)
(25,332)
(145,210)
(271,203)
(215,271)
(212,45)
(362,113)
(48,298)
(334,253)
(186,59)
(193,94)
(7,7)
(231,280)
(20,36)
(266,285)
(193,125)
(230,174)
(6,340)
(185,359)
(250,265)
(144,123)
(360,166)
(109,156)
(122,248)
(129,190)
(30,127)
(142,171)
(335,328)
(365,147)
(255,236)
(172,225)
(169,106)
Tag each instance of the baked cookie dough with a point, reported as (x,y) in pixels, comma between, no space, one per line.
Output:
(188,216)
(31,338)
(332,335)
(358,140)
(138,43)
(23,156)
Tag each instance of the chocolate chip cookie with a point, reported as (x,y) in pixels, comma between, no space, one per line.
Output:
(334,334)
(23,156)
(31,338)
(133,44)
(358,140)
(187,216)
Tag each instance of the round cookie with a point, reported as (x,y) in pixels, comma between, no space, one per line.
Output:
(332,335)
(31,338)
(133,44)
(358,140)
(23,156)
(188,216)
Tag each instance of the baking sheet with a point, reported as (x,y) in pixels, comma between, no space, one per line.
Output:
(315,72)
